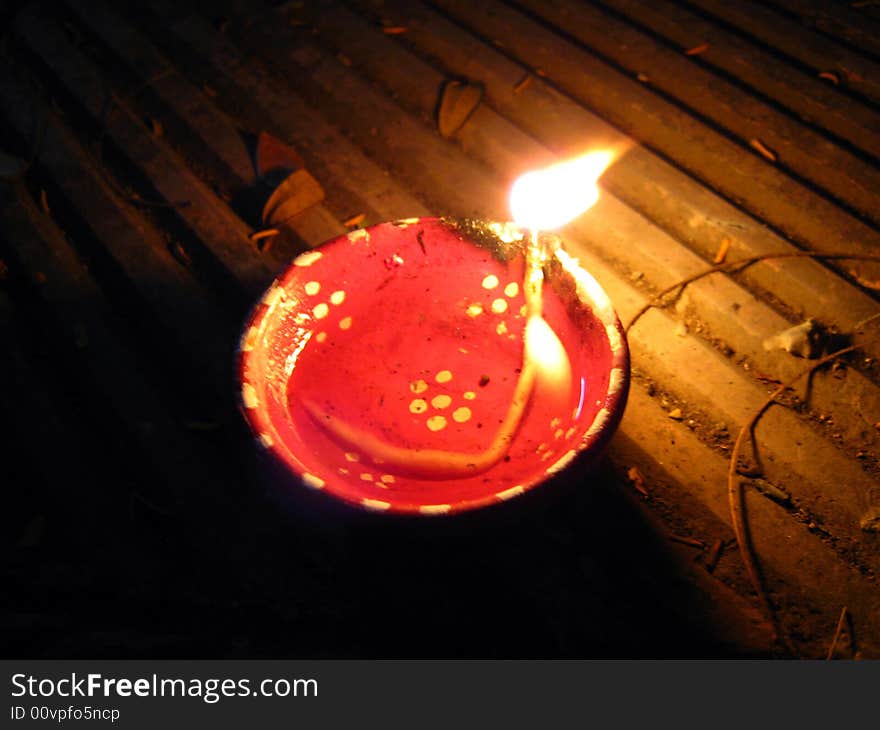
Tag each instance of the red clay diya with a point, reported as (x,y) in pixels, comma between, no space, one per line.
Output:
(432,366)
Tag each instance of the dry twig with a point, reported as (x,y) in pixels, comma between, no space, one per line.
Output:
(735,266)
(837,633)
(735,493)
(734,487)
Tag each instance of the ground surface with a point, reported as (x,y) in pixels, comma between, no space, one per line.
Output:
(134,520)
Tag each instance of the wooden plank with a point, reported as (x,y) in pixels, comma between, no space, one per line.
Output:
(417,157)
(354,182)
(817,52)
(190,468)
(215,128)
(604,275)
(798,150)
(746,178)
(844,21)
(599,268)
(817,101)
(723,370)
(674,201)
(138,251)
(725,309)
(822,481)
(800,566)
(714,392)
(209,217)
(823,573)
(190,102)
(416,85)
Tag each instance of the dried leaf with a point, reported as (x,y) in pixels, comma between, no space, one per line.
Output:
(637,479)
(697,50)
(44,202)
(264,239)
(394,29)
(260,235)
(867,283)
(522,83)
(832,77)
(181,254)
(299,192)
(723,248)
(274,156)
(765,151)
(355,220)
(458,100)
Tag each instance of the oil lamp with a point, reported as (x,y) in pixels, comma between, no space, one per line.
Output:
(432,366)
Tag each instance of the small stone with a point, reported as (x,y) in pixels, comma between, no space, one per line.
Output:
(675,414)
(805,340)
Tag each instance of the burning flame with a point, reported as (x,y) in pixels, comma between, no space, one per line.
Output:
(546,351)
(542,200)
(549,198)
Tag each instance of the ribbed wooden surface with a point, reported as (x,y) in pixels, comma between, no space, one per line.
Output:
(128,270)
